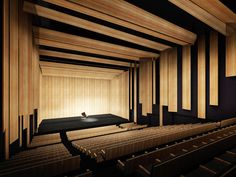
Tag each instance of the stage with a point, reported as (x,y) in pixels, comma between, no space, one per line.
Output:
(75,123)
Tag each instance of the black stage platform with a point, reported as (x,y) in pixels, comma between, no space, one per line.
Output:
(75,123)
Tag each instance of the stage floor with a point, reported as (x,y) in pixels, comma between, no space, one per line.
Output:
(76,123)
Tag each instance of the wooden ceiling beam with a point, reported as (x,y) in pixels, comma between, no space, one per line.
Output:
(76,73)
(133,14)
(43,33)
(82,58)
(78,6)
(209,12)
(63,66)
(60,45)
(91,26)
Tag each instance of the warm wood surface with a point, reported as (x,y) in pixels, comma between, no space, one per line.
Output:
(186,77)
(135,92)
(119,95)
(172,81)
(128,12)
(81,58)
(145,86)
(131,86)
(66,97)
(164,78)
(214,71)
(14,70)
(5,71)
(88,25)
(97,11)
(231,52)
(201,14)
(90,43)
(201,78)
(50,43)
(154,82)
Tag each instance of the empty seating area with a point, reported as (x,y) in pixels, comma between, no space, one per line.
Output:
(45,161)
(182,156)
(120,144)
(99,131)
(42,140)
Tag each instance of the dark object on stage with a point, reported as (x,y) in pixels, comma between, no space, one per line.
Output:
(84,115)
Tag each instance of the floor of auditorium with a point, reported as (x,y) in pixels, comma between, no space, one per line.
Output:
(75,123)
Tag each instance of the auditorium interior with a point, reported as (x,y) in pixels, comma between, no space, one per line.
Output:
(118,88)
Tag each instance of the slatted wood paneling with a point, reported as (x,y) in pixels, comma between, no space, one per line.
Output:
(88,25)
(231,51)
(135,92)
(145,85)
(119,95)
(67,96)
(5,70)
(163,83)
(214,76)
(186,77)
(135,15)
(172,80)
(201,78)
(14,47)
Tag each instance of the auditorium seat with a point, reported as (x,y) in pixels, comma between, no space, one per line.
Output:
(227,122)
(44,161)
(112,146)
(178,156)
(42,140)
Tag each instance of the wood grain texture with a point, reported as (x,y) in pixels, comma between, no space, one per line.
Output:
(5,78)
(131,86)
(145,86)
(214,71)
(82,58)
(186,77)
(201,14)
(231,51)
(201,78)
(67,97)
(50,43)
(90,43)
(119,95)
(135,92)
(133,14)
(14,71)
(88,25)
(218,9)
(164,78)
(172,80)
(98,12)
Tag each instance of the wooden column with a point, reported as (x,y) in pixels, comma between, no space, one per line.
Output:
(135,93)
(214,76)
(186,77)
(154,82)
(201,78)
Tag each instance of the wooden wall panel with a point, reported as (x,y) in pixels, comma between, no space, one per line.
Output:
(154,82)
(201,78)
(231,51)
(135,93)
(66,97)
(186,77)
(119,95)
(131,87)
(172,81)
(5,71)
(214,76)
(14,70)
(164,78)
(145,86)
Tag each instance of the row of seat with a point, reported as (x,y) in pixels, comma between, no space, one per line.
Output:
(116,145)
(44,161)
(180,156)
(43,140)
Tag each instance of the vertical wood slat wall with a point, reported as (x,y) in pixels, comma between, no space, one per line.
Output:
(17,66)
(135,93)
(119,95)
(186,77)
(214,68)
(145,86)
(5,70)
(172,80)
(201,78)
(70,96)
(231,51)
